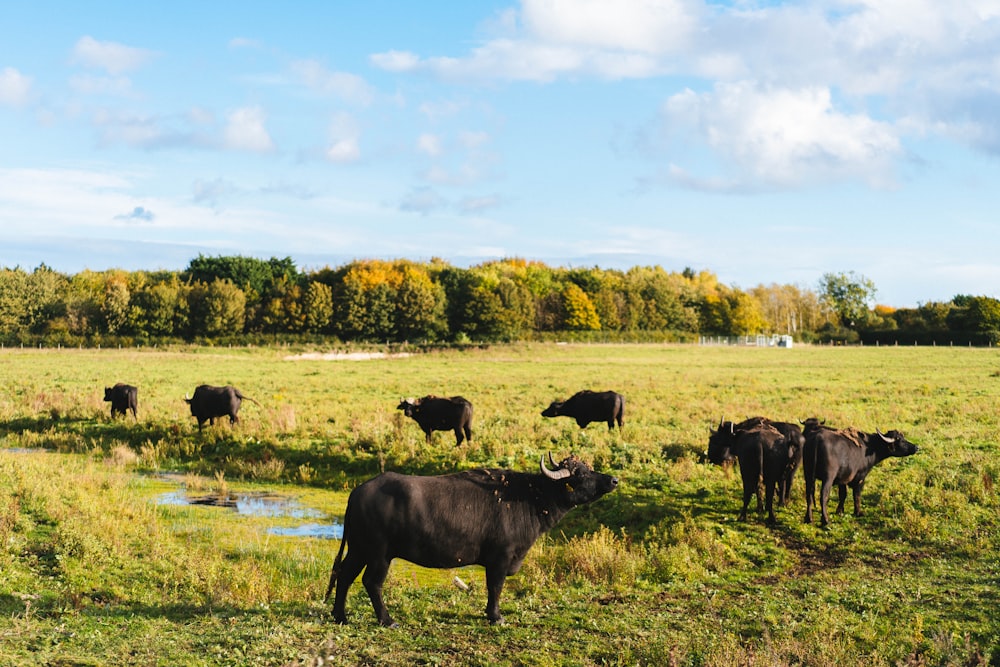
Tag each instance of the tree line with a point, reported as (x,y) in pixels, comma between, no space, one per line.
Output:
(245,299)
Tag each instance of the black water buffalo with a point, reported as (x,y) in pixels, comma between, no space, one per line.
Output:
(590,406)
(123,397)
(434,413)
(209,403)
(844,457)
(763,453)
(485,517)
(723,447)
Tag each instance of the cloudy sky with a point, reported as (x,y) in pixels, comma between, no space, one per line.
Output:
(765,141)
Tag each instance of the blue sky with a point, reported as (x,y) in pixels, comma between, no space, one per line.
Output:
(767,142)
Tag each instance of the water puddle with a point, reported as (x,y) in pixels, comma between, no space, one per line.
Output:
(261,504)
(324,531)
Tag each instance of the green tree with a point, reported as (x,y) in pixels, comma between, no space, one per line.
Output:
(14,308)
(317,306)
(978,313)
(654,301)
(115,305)
(420,306)
(851,296)
(160,309)
(217,309)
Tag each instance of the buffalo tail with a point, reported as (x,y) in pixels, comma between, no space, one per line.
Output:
(336,563)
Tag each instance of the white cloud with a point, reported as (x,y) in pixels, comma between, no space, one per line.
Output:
(473,140)
(396,61)
(477,205)
(245,131)
(782,137)
(422,200)
(345,139)
(210,192)
(643,26)
(614,40)
(430,144)
(15,87)
(110,56)
(347,86)
(120,86)
(244,43)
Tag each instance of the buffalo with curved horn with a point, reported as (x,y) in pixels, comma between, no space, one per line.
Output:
(487,517)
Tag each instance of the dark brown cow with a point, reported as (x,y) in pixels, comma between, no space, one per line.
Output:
(210,403)
(590,406)
(434,413)
(722,447)
(123,397)
(485,517)
(844,457)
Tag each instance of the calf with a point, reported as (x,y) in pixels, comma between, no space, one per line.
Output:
(434,413)
(123,397)
(844,458)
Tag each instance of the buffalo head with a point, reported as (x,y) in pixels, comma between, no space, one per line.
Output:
(554,409)
(897,444)
(408,405)
(581,483)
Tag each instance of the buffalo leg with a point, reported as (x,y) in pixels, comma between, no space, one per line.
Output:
(495,577)
(350,568)
(841,498)
(856,492)
(824,498)
(458,436)
(373,579)
(748,493)
(810,497)
(769,494)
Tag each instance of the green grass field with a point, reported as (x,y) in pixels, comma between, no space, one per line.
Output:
(95,569)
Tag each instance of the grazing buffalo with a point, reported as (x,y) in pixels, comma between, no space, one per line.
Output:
(123,397)
(723,447)
(434,413)
(590,406)
(844,457)
(485,517)
(209,403)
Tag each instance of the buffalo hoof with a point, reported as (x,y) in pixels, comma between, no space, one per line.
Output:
(339,620)
(498,621)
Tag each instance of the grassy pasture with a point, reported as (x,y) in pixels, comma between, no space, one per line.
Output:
(94,571)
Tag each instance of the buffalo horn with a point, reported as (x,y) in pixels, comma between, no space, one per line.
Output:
(884,437)
(561,473)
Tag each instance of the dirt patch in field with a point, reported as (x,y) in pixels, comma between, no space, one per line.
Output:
(345,356)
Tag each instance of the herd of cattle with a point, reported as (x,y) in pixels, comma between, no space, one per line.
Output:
(492,517)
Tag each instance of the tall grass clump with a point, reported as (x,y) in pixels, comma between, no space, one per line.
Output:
(601,558)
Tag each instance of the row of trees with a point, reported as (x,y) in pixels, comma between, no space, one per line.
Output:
(235,297)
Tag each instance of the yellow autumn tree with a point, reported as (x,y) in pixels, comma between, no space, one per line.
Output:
(580,312)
